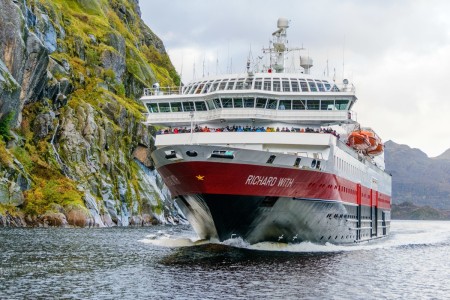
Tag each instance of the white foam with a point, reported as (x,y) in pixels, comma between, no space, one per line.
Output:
(403,233)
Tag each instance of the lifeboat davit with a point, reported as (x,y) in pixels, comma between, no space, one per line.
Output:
(377,151)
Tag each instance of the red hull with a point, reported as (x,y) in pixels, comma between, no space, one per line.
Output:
(196,177)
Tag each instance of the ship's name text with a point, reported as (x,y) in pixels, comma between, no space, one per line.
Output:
(269,181)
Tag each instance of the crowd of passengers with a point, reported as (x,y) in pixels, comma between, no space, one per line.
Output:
(247,128)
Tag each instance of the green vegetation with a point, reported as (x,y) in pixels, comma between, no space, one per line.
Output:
(5,126)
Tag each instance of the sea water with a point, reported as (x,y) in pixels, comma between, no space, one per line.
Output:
(169,262)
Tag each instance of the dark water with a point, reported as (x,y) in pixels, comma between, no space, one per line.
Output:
(162,263)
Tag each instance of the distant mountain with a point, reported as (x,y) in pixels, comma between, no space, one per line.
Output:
(409,211)
(444,156)
(416,178)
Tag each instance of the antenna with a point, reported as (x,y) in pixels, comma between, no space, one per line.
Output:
(343,60)
(217,61)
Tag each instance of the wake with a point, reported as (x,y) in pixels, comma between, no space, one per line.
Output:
(403,234)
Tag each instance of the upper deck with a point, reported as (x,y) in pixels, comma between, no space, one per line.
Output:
(267,95)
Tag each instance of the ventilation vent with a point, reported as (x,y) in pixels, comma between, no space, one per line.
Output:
(271,159)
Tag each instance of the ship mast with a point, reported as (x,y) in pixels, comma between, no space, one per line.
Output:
(280,49)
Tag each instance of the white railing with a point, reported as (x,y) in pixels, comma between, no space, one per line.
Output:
(257,113)
(169,90)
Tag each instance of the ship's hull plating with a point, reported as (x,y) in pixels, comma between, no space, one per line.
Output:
(223,199)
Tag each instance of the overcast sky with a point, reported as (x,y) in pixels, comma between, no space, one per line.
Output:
(397,53)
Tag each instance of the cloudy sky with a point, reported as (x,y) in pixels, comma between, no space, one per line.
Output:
(397,53)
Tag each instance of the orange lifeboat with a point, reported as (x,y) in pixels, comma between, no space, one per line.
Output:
(377,151)
(373,138)
(367,141)
(358,141)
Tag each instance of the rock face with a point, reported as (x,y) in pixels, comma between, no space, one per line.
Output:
(73,150)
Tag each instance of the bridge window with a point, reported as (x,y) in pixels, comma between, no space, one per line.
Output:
(188,106)
(285,104)
(327,86)
(320,86)
(298,105)
(194,87)
(248,83)
(312,86)
(200,106)
(341,104)
(258,84)
(276,85)
(272,104)
(313,104)
(176,106)
(286,86)
(214,86)
(164,107)
(153,107)
(230,85)
(210,104)
(294,84)
(240,84)
(238,103)
(222,85)
(267,84)
(327,105)
(249,102)
(217,103)
(227,102)
(304,86)
(261,102)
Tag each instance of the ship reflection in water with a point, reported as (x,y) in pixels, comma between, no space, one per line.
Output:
(167,262)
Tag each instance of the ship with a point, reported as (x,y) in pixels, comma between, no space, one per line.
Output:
(271,154)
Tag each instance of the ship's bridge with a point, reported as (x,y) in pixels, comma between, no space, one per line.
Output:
(276,97)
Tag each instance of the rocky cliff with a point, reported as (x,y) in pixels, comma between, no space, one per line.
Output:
(70,124)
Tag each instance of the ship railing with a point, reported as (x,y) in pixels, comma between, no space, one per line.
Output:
(160,91)
(276,115)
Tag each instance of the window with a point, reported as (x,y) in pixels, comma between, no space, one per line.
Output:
(304,86)
(210,104)
(327,86)
(276,85)
(249,102)
(164,107)
(188,106)
(199,89)
(200,106)
(298,105)
(327,105)
(238,103)
(286,86)
(176,106)
(194,87)
(222,85)
(248,83)
(258,84)
(153,107)
(267,84)
(294,84)
(230,85)
(313,104)
(320,86)
(272,104)
(341,104)
(240,84)
(261,102)
(312,86)
(217,103)
(227,102)
(285,105)
(214,86)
